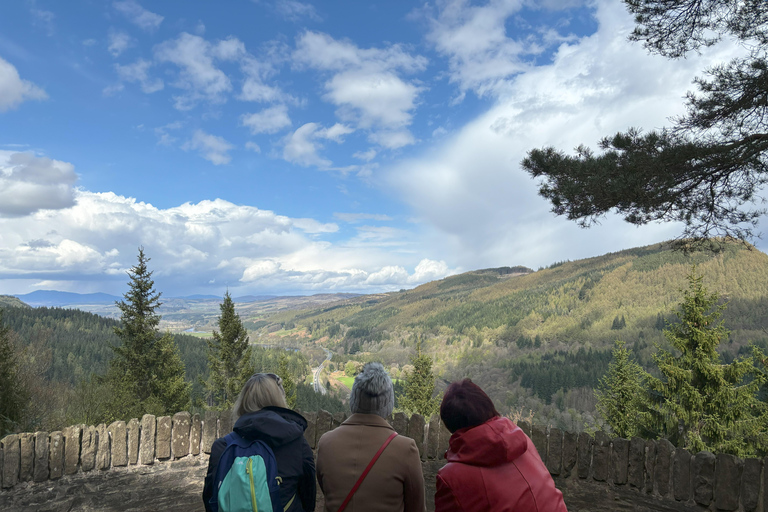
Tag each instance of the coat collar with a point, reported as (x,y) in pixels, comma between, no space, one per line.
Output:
(371,420)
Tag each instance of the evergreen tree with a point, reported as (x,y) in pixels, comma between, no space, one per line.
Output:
(147,374)
(706,404)
(621,395)
(13,396)
(229,358)
(288,384)
(419,387)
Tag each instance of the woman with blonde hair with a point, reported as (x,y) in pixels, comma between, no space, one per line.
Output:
(261,413)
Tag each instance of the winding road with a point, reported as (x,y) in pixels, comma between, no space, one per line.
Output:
(319,388)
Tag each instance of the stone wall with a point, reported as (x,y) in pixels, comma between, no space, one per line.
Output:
(159,463)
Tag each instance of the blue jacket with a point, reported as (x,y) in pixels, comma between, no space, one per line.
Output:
(283,430)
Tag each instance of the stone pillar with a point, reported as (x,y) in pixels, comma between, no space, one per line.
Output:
(311,433)
(41,457)
(601,460)
(400,423)
(681,474)
(71,448)
(539,438)
(570,450)
(11,460)
(133,441)
(102,450)
(119,443)
(584,455)
(620,460)
(180,434)
(209,430)
(195,434)
(2,464)
(432,435)
(750,484)
(650,465)
(663,470)
(324,420)
(555,451)
(416,426)
(88,449)
(339,417)
(163,438)
(525,427)
(147,440)
(444,441)
(703,470)
(56,455)
(225,422)
(27,456)
(727,481)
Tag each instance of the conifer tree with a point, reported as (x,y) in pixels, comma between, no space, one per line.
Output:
(13,396)
(419,387)
(147,373)
(229,358)
(288,385)
(709,405)
(621,395)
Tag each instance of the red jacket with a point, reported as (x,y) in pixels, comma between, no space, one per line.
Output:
(495,467)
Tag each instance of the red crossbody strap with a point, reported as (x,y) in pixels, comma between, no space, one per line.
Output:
(365,473)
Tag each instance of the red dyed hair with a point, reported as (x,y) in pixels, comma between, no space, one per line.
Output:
(466,405)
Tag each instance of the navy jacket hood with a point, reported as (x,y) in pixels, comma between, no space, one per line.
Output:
(275,426)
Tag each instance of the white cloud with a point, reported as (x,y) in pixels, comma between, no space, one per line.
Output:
(139,72)
(252,146)
(365,155)
(365,85)
(138,15)
(29,183)
(269,120)
(301,146)
(14,90)
(164,138)
(118,42)
(212,148)
(293,10)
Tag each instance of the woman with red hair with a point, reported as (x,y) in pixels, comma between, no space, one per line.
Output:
(492,464)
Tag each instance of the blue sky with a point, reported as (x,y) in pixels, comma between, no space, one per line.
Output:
(289,147)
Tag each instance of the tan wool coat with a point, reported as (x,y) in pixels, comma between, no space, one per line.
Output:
(395,483)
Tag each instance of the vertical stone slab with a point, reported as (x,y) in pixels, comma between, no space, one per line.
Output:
(27,456)
(601,458)
(400,423)
(71,448)
(636,469)
(225,422)
(339,417)
(163,438)
(584,455)
(41,457)
(118,434)
(663,471)
(195,435)
(181,425)
(210,419)
(727,481)
(416,427)
(324,420)
(444,441)
(650,465)
(750,484)
(681,475)
(703,469)
(555,452)
(539,438)
(133,441)
(11,460)
(103,452)
(433,433)
(310,434)
(620,460)
(147,439)
(2,464)
(88,445)
(525,427)
(570,450)
(56,455)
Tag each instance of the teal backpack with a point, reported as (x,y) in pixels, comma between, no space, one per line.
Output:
(246,478)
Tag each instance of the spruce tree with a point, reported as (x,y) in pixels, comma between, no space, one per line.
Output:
(288,385)
(621,394)
(147,373)
(229,358)
(419,387)
(13,396)
(708,405)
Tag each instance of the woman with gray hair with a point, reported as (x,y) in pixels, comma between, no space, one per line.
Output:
(363,465)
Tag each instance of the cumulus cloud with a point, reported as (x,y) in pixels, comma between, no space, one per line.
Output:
(211,147)
(139,72)
(29,183)
(293,10)
(118,42)
(365,84)
(301,146)
(138,15)
(14,90)
(269,120)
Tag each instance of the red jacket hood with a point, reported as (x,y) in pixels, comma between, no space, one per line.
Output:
(497,441)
